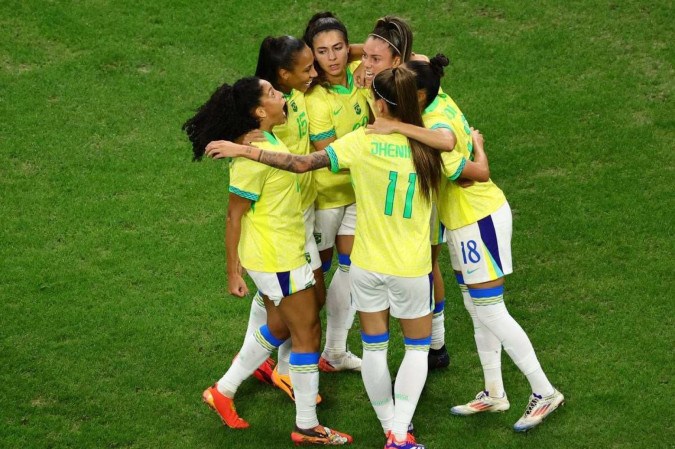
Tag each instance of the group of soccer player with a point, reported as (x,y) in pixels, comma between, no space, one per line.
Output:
(357,148)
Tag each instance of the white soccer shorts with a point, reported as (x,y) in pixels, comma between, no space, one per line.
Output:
(482,250)
(406,298)
(276,286)
(329,223)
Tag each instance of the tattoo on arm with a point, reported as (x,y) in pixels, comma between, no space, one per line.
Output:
(295,163)
(319,159)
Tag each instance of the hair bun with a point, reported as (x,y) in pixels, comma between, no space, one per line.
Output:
(438,62)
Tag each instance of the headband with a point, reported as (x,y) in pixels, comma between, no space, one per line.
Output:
(382,96)
(390,44)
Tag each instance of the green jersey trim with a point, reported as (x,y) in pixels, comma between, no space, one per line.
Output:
(432,106)
(334,167)
(340,89)
(289,95)
(244,194)
(441,126)
(459,170)
(321,136)
(271,138)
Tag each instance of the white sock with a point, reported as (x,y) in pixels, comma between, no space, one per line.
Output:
(409,384)
(438,326)
(488,346)
(283,357)
(256,348)
(338,313)
(304,369)
(491,311)
(258,315)
(376,377)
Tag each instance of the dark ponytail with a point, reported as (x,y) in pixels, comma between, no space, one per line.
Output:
(429,74)
(277,53)
(225,116)
(397,87)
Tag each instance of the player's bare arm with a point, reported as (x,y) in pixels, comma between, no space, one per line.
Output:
(219,149)
(295,163)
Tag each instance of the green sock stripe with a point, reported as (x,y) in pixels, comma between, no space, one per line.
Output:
(259,299)
(375,346)
(263,342)
(313,368)
(423,348)
(491,300)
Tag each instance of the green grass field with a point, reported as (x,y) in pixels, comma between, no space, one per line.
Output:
(114,313)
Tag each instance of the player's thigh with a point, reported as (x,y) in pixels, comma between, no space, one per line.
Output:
(410,297)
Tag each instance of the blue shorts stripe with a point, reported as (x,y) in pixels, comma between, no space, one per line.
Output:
(375,338)
(304,358)
(486,292)
(284,279)
(489,237)
(417,341)
(460,278)
(271,339)
(439,307)
(431,290)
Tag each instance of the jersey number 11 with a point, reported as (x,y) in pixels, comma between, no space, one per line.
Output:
(391,191)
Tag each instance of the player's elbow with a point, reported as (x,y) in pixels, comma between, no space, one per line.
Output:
(450,144)
(483,175)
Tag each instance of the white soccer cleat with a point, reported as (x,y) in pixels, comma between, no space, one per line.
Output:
(346,362)
(483,403)
(538,409)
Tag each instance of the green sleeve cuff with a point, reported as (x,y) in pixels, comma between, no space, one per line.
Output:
(244,194)
(458,172)
(322,136)
(334,166)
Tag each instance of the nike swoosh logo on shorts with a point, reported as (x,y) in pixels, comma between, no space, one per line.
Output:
(472,271)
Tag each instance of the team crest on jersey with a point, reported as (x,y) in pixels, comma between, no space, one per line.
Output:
(317,237)
(357,108)
(294,106)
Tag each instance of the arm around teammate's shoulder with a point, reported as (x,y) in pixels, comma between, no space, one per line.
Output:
(478,169)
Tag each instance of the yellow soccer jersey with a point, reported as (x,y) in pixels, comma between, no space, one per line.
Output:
(334,112)
(295,135)
(459,206)
(392,235)
(272,231)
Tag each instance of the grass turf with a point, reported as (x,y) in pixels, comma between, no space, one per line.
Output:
(114,314)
